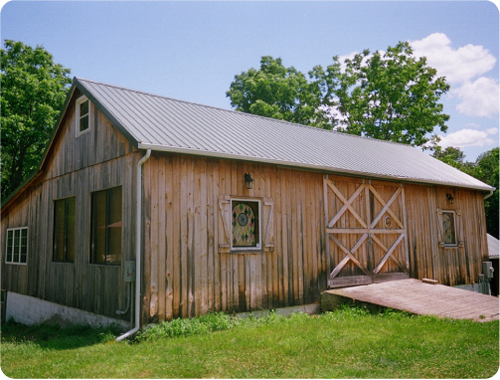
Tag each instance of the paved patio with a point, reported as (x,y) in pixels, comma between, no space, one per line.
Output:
(417,297)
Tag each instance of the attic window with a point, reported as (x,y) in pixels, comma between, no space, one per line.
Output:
(82,115)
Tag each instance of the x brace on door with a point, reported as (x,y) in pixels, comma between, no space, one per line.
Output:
(368,229)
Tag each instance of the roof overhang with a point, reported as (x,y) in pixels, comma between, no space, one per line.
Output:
(301,165)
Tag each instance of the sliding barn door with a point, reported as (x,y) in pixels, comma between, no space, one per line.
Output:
(366,232)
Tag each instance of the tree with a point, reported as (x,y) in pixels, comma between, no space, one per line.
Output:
(392,96)
(485,169)
(279,92)
(454,157)
(33,92)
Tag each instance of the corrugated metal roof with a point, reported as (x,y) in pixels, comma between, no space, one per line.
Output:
(493,247)
(166,124)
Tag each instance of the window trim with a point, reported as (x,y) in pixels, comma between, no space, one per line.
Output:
(65,261)
(13,246)
(258,246)
(450,245)
(82,99)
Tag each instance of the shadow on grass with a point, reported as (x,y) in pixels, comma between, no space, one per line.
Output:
(56,338)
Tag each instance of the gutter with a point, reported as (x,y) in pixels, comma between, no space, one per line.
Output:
(137,249)
(489,194)
(304,165)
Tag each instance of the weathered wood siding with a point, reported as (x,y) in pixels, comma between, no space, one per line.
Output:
(188,269)
(99,159)
(428,258)
(185,273)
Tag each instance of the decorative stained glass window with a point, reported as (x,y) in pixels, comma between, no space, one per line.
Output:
(245,224)
(449,228)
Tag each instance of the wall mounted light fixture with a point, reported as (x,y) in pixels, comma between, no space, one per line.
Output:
(450,198)
(249,180)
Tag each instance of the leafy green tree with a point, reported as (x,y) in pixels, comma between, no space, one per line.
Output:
(33,92)
(454,157)
(451,155)
(392,96)
(485,169)
(280,92)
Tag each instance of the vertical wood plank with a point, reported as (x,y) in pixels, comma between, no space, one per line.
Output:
(169,233)
(175,243)
(153,284)
(184,195)
(162,247)
(217,275)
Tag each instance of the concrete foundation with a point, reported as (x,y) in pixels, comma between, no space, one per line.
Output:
(483,287)
(31,311)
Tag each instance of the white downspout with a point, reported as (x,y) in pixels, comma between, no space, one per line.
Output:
(489,195)
(138,206)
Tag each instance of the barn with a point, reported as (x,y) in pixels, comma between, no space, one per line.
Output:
(145,208)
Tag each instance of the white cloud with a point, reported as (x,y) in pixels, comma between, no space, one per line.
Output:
(478,98)
(351,55)
(457,65)
(460,66)
(468,137)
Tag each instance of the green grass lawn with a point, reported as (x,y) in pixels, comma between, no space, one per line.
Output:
(343,344)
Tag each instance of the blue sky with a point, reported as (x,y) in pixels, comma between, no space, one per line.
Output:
(192,50)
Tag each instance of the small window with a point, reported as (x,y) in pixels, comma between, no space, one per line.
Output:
(245,224)
(82,115)
(64,230)
(449,231)
(17,246)
(106,239)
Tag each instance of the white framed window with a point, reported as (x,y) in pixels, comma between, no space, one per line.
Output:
(82,115)
(449,228)
(17,246)
(246,229)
